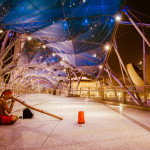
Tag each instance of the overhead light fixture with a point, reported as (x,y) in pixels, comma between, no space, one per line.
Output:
(118,17)
(44,46)
(1,30)
(100,66)
(107,46)
(53,54)
(94,55)
(29,38)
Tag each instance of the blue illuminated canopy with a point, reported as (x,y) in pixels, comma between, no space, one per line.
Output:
(76,30)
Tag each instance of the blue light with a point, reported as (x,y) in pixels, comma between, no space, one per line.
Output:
(22,7)
(86,21)
(10,34)
(112,20)
(65,25)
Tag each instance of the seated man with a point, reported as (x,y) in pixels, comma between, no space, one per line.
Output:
(5,117)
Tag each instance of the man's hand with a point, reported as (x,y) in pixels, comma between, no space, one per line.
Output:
(13,100)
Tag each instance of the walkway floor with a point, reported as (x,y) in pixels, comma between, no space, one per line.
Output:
(106,127)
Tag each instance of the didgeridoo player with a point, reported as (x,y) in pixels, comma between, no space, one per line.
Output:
(5,117)
(5,111)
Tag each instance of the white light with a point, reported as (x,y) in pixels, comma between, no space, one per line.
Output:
(100,66)
(94,55)
(45,63)
(1,31)
(118,18)
(140,63)
(119,94)
(40,57)
(44,46)
(29,38)
(54,54)
(83,1)
(64,70)
(61,62)
(107,47)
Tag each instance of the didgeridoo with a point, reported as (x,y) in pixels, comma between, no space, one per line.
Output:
(23,103)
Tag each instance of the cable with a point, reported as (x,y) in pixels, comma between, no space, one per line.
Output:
(139,13)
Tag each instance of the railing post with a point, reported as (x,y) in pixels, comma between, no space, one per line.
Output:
(124,97)
(102,93)
(88,92)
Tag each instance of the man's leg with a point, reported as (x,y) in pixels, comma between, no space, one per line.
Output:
(14,119)
(9,120)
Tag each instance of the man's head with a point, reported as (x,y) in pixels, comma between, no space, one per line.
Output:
(7,94)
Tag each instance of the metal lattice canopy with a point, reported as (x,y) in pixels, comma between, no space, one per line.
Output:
(74,31)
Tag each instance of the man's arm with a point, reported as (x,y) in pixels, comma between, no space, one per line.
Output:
(6,108)
(6,114)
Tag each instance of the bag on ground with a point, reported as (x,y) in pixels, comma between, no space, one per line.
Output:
(27,113)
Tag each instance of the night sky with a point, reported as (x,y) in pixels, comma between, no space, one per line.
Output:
(129,42)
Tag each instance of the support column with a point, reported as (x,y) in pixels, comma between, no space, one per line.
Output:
(79,82)
(144,72)
(80,92)
(69,91)
(134,89)
(88,92)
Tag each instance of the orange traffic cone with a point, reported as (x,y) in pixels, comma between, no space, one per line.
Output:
(81,117)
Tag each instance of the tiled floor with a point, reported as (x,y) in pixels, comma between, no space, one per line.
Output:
(106,127)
